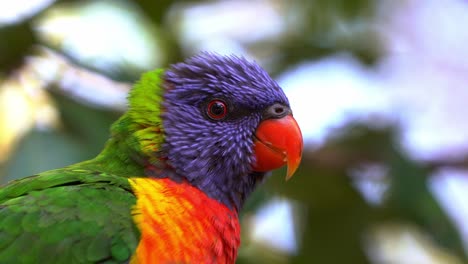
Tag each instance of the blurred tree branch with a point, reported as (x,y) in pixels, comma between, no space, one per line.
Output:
(334,157)
(88,87)
(362,142)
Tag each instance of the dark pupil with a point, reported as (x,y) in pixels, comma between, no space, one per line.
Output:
(217,109)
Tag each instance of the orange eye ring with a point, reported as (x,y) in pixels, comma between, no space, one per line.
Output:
(217,109)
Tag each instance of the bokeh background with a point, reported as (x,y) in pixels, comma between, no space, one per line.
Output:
(379,88)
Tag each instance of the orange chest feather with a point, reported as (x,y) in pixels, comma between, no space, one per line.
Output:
(180,224)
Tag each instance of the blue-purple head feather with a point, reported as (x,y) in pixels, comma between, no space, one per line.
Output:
(216,155)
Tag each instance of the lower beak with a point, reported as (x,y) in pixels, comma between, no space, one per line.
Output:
(278,142)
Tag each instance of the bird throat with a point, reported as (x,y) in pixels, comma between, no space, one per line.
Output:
(173,217)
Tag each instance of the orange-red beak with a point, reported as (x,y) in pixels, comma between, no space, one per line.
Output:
(278,141)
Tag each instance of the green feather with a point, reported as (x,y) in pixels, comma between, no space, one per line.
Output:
(82,213)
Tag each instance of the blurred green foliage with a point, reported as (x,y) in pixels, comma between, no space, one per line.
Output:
(337,217)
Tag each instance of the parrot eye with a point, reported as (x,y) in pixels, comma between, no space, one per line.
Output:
(216,109)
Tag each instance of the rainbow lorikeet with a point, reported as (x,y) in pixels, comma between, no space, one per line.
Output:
(168,186)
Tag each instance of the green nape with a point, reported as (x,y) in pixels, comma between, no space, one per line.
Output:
(138,134)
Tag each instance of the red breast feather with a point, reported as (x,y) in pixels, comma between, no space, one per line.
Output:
(180,224)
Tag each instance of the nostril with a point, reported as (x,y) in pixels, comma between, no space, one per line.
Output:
(279,110)
(276,111)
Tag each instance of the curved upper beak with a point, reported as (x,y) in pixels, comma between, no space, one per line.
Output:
(278,142)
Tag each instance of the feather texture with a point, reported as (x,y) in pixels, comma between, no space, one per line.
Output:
(180,224)
(67,216)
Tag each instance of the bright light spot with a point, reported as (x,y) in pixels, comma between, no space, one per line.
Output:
(23,104)
(19,120)
(326,93)
(14,11)
(399,243)
(102,33)
(371,182)
(225,22)
(426,76)
(222,47)
(274,225)
(431,104)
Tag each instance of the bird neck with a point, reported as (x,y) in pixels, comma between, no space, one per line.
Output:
(196,218)
(137,151)
(137,136)
(231,193)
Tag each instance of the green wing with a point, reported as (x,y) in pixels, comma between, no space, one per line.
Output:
(67,216)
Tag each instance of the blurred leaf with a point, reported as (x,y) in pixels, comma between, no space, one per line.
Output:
(411,198)
(156,11)
(321,27)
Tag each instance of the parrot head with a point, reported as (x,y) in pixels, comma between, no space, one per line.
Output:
(225,124)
